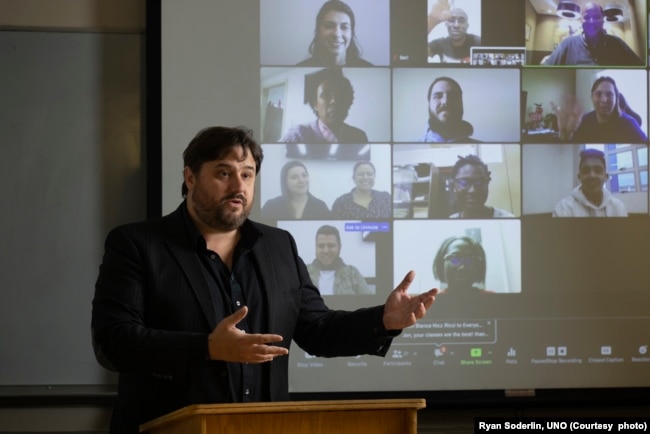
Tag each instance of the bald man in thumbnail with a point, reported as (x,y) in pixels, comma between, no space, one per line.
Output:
(593,46)
(456,47)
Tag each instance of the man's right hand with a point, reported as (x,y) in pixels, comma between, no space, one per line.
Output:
(440,11)
(230,344)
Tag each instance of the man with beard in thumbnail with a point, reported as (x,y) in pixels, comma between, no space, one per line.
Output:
(446,124)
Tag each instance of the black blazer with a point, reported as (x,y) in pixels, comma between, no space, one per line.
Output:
(153,311)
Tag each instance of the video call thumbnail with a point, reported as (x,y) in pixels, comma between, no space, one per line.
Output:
(461,257)
(289,42)
(565,105)
(609,180)
(342,256)
(354,101)
(483,105)
(312,179)
(441,32)
(586,34)
(456,181)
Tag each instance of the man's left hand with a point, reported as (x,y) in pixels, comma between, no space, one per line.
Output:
(403,310)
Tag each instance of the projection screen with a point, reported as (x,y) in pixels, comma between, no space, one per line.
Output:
(474,182)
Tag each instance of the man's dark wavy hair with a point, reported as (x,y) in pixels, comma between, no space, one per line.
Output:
(213,143)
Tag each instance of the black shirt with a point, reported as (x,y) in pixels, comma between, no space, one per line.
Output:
(232,290)
(449,53)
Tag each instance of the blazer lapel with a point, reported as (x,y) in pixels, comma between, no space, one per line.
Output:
(180,247)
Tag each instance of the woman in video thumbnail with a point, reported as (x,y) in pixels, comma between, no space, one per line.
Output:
(611,120)
(471,179)
(335,42)
(363,202)
(460,264)
(296,202)
(330,95)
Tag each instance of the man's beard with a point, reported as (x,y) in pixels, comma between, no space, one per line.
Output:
(215,215)
(451,128)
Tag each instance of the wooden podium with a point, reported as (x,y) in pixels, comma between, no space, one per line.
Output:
(383,416)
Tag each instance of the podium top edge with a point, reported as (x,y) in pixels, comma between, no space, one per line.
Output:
(335,404)
(286,407)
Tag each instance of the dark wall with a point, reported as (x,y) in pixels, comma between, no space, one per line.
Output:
(72,167)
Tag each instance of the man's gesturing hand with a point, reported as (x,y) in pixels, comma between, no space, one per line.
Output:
(228,343)
(440,12)
(403,310)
